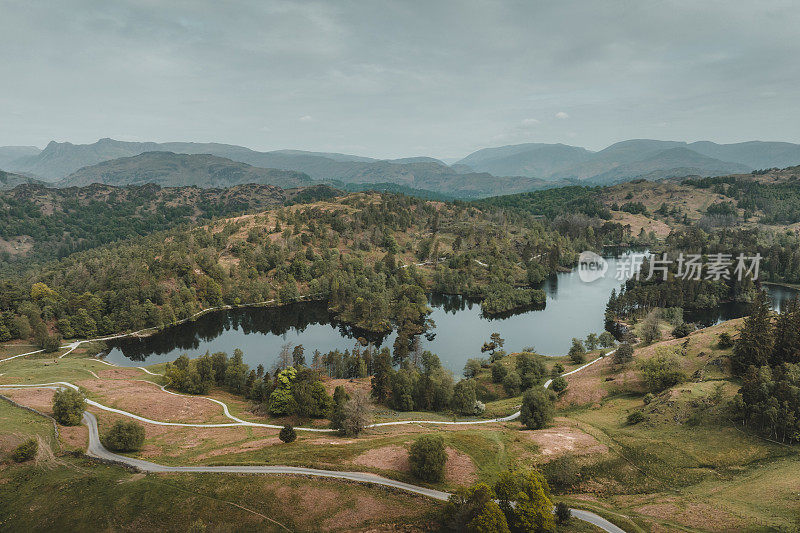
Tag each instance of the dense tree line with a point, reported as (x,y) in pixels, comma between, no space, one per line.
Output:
(766,355)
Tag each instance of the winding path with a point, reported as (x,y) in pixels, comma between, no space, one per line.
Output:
(96,448)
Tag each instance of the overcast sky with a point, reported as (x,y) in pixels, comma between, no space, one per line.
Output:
(400,78)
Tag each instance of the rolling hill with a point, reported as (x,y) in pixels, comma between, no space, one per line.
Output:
(9,180)
(175,170)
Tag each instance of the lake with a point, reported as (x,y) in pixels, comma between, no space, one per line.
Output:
(573,309)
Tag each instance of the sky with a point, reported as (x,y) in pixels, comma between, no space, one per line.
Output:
(398,78)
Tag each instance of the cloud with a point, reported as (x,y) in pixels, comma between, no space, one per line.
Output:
(306,118)
(561,115)
(530,122)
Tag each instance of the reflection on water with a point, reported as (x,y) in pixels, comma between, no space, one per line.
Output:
(574,309)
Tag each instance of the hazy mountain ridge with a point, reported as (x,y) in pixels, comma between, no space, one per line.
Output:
(10,180)
(490,171)
(634,158)
(175,170)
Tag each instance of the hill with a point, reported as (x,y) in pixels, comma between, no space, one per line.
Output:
(176,170)
(39,223)
(632,159)
(9,180)
(11,153)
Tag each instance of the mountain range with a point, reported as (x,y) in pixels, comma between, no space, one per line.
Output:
(500,170)
(169,169)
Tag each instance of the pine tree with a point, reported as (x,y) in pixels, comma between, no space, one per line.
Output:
(756,338)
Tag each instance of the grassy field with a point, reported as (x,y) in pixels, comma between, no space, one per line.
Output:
(686,466)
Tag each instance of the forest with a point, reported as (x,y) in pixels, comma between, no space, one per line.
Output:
(372,257)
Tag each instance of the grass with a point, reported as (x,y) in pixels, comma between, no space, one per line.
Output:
(78,495)
(18,425)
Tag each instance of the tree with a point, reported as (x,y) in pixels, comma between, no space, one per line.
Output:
(559,384)
(124,436)
(606,339)
(537,408)
(340,398)
(474,509)
(68,406)
(499,371)
(382,377)
(650,329)
(512,383)
(472,368)
(682,330)
(591,341)
(428,458)
(524,496)
(623,354)
(357,413)
(563,513)
(495,343)
(298,359)
(577,352)
(287,434)
(25,451)
(725,341)
(464,397)
(661,371)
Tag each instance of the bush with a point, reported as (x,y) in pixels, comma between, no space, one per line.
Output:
(563,473)
(512,383)
(499,371)
(464,397)
(682,330)
(635,417)
(725,341)
(563,513)
(125,436)
(537,408)
(648,398)
(624,354)
(558,369)
(472,368)
(559,384)
(662,372)
(288,434)
(577,352)
(428,458)
(68,407)
(25,451)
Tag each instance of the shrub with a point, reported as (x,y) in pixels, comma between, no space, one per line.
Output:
(682,330)
(512,383)
(563,473)
(68,407)
(624,354)
(577,352)
(662,372)
(464,397)
(428,458)
(559,384)
(563,513)
(558,369)
(635,417)
(725,341)
(537,408)
(499,371)
(287,434)
(124,436)
(472,368)
(648,398)
(25,451)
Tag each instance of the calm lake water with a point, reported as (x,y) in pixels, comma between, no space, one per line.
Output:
(573,309)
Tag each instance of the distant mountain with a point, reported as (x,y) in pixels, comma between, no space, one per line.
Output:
(631,159)
(670,163)
(754,154)
(11,153)
(175,170)
(532,159)
(9,180)
(58,160)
